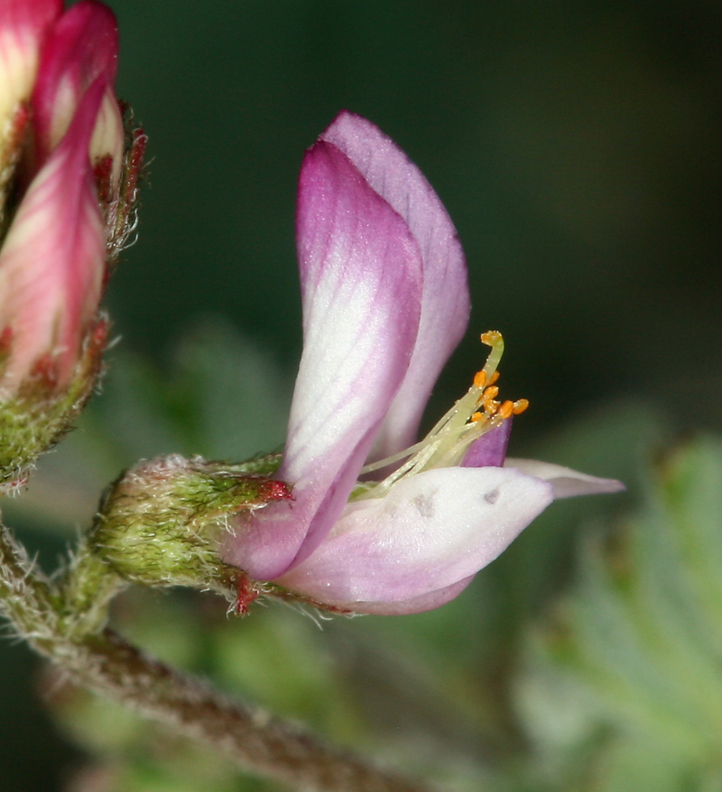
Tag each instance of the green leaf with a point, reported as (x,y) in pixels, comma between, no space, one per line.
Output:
(632,660)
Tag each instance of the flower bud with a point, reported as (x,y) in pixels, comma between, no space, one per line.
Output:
(68,183)
(23,26)
(160,523)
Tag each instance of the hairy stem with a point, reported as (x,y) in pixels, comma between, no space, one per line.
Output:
(248,735)
(108,665)
(86,591)
(26,596)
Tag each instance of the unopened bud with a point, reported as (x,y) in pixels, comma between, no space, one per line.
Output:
(67,196)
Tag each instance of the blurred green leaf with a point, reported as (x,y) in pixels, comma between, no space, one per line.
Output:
(281,660)
(222,397)
(632,662)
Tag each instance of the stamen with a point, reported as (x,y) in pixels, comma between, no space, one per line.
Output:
(506,410)
(480,379)
(491,392)
(474,414)
(491,406)
(382,463)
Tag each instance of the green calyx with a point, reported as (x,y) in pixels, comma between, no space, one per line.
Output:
(39,413)
(161,522)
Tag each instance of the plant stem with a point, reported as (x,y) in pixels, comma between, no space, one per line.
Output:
(86,591)
(26,596)
(248,735)
(105,663)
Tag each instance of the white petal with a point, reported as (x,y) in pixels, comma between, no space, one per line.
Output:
(565,482)
(431,531)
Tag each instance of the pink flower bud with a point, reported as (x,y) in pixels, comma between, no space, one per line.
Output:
(23,26)
(73,187)
(81,48)
(53,258)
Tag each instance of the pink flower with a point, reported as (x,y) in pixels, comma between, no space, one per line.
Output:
(62,128)
(385,301)
(68,187)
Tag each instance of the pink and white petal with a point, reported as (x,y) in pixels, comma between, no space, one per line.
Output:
(445,305)
(23,24)
(431,531)
(361,283)
(425,602)
(565,482)
(81,47)
(53,258)
(109,136)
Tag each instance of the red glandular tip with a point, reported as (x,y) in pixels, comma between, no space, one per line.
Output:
(99,335)
(247,594)
(276,490)
(45,371)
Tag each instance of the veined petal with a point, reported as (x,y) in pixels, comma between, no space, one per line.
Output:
(82,46)
(361,282)
(566,483)
(431,531)
(52,260)
(23,24)
(445,303)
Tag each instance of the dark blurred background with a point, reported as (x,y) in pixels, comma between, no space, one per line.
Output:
(576,146)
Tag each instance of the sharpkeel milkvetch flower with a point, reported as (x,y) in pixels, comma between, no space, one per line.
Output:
(378,523)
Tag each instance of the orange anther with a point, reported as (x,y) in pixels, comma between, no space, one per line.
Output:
(480,379)
(506,410)
(494,378)
(491,406)
(520,405)
(476,417)
(491,392)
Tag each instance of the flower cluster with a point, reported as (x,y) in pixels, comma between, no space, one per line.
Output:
(377,522)
(68,180)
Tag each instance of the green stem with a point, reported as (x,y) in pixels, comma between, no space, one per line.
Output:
(27,597)
(87,590)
